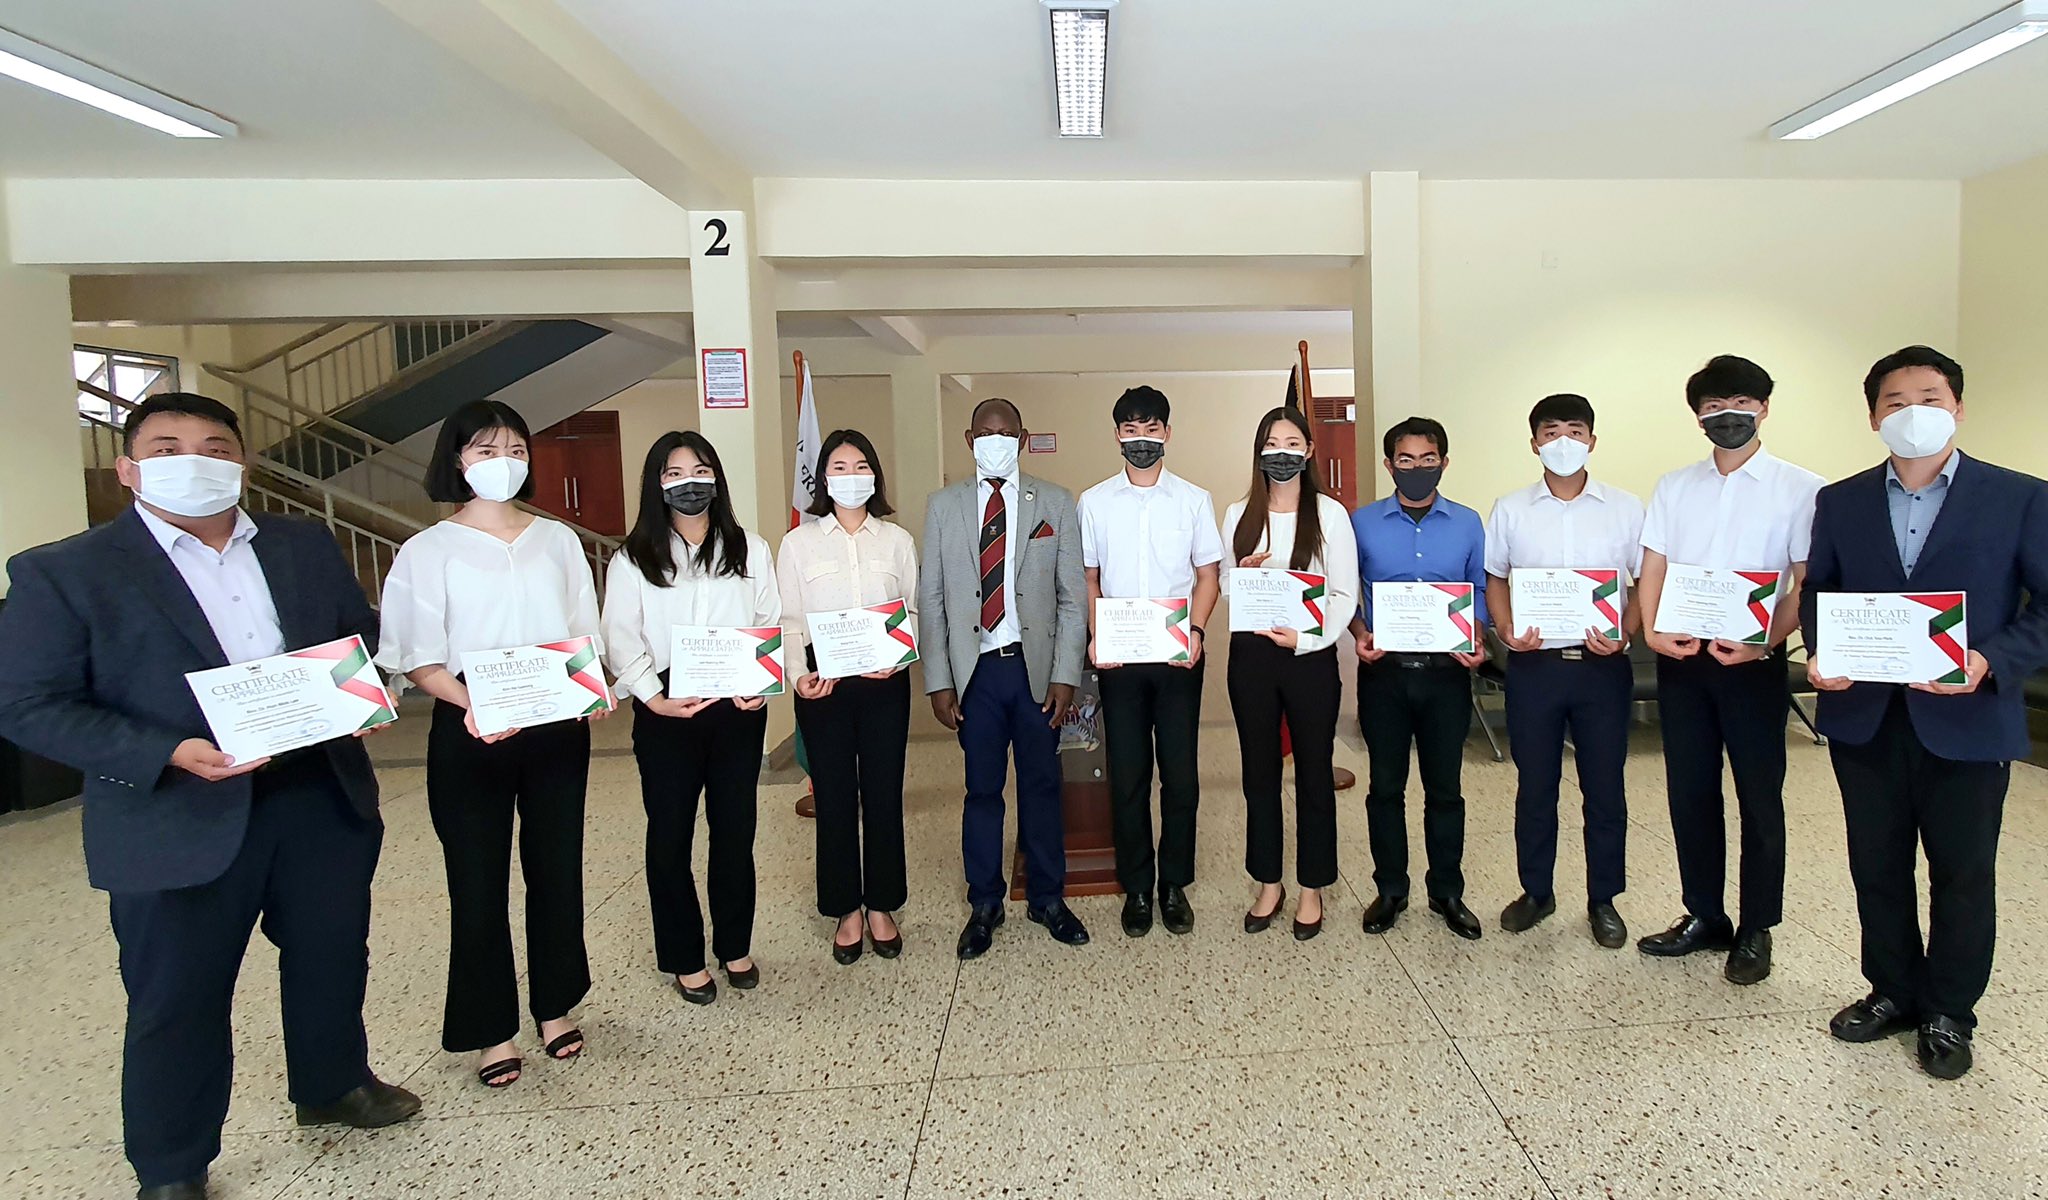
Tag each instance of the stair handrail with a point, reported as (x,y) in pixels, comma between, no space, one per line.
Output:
(264,360)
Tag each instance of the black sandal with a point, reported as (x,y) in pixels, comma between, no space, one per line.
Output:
(575,1037)
(493,1075)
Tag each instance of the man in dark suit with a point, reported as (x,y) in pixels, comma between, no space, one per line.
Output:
(98,634)
(1926,766)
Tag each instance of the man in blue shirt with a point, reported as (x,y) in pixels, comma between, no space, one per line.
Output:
(1425,700)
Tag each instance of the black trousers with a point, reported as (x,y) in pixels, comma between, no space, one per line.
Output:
(1898,798)
(1430,708)
(1153,711)
(1704,709)
(1269,683)
(473,790)
(715,755)
(304,869)
(1549,695)
(856,739)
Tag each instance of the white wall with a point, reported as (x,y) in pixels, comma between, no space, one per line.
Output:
(2005,312)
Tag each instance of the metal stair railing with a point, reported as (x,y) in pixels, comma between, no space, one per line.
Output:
(322,375)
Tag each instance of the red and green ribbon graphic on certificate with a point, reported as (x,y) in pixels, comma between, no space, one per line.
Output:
(1176,616)
(582,654)
(1606,587)
(1948,613)
(768,653)
(1312,592)
(1764,585)
(898,613)
(1461,603)
(349,659)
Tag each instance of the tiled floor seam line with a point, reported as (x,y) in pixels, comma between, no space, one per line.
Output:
(1616,1026)
(656,1101)
(924,1116)
(1247,1056)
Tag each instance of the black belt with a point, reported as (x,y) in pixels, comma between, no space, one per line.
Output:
(1566,653)
(1010,651)
(1418,662)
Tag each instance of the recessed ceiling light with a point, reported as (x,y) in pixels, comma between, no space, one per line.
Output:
(56,71)
(1080,63)
(2005,30)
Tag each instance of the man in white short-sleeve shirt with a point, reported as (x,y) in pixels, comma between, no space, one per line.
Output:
(1148,534)
(1577,681)
(1740,510)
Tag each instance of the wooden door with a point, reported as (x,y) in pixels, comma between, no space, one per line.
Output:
(577,474)
(1337,449)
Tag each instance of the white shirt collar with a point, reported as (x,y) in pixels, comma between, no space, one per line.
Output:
(168,535)
(1594,490)
(1166,479)
(831,522)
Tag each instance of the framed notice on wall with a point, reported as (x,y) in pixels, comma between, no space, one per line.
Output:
(1044,443)
(724,373)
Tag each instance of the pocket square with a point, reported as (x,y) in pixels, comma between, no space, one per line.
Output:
(1044,530)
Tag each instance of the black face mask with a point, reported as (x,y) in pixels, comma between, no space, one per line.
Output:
(1417,484)
(690,497)
(1731,429)
(1282,465)
(1143,453)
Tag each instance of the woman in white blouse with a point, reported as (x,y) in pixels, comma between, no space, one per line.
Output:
(495,576)
(688,562)
(855,729)
(1289,675)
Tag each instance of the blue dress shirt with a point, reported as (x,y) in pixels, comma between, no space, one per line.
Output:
(1447,546)
(1913,513)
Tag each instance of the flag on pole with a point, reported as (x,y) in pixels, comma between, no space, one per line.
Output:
(803,482)
(1294,387)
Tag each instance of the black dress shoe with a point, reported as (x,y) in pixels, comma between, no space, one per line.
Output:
(1871,1018)
(1526,912)
(1137,914)
(746,980)
(371,1106)
(698,995)
(1690,935)
(846,956)
(1254,923)
(1750,961)
(891,947)
(1457,917)
(1304,930)
(1060,922)
(1944,1048)
(980,931)
(1384,910)
(184,1189)
(1608,928)
(1175,911)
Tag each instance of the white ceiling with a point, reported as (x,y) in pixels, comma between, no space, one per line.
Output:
(1289,89)
(323,89)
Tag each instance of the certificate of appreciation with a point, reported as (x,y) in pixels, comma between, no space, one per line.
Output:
(288,701)
(1563,604)
(1423,618)
(1893,637)
(861,641)
(1706,602)
(533,685)
(1262,599)
(1142,631)
(709,663)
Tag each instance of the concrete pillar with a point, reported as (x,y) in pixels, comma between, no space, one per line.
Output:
(1387,320)
(732,296)
(920,434)
(42,477)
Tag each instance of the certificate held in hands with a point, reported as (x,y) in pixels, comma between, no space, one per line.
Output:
(708,663)
(1263,599)
(1563,604)
(1142,631)
(861,641)
(1706,602)
(289,701)
(1893,637)
(534,685)
(1423,618)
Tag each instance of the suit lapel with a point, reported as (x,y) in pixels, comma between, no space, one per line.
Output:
(1948,520)
(274,554)
(158,579)
(1026,523)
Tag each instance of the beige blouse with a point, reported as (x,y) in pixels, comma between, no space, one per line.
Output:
(822,568)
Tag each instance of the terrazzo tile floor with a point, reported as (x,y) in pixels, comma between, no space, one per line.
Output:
(1217,1064)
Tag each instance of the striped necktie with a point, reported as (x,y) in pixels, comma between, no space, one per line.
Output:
(994,544)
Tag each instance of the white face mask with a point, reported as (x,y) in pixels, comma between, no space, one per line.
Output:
(995,455)
(496,479)
(850,491)
(1564,456)
(1918,431)
(189,485)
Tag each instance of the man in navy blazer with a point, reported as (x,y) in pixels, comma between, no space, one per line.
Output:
(1927,765)
(98,633)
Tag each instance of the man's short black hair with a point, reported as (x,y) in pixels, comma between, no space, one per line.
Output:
(1725,377)
(1142,404)
(1015,413)
(186,404)
(1565,406)
(1912,356)
(1417,427)
(444,471)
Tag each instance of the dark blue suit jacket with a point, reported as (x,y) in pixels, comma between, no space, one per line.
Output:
(97,635)
(1989,541)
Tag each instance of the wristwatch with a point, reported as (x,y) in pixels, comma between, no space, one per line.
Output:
(1199,629)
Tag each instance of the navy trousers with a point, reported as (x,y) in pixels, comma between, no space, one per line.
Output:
(304,869)
(1000,717)
(1549,695)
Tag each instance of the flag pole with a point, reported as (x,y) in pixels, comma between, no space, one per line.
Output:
(806,804)
(1345,779)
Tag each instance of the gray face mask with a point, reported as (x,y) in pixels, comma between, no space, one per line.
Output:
(1143,453)
(1731,429)
(1282,465)
(691,496)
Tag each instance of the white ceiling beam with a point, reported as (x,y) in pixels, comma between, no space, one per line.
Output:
(958,383)
(176,299)
(897,335)
(914,290)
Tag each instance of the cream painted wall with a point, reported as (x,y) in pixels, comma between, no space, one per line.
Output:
(44,494)
(2005,309)
(1619,290)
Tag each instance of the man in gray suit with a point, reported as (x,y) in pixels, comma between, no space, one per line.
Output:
(1003,638)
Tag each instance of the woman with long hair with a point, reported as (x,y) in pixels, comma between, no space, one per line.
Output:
(855,729)
(688,562)
(1286,522)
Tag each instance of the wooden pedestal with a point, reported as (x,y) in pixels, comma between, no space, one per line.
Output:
(1084,803)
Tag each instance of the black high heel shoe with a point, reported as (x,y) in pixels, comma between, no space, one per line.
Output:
(887,947)
(1254,923)
(698,995)
(1304,930)
(846,955)
(745,980)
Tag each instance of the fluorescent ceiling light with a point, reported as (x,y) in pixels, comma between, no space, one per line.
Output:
(56,71)
(2008,29)
(1080,63)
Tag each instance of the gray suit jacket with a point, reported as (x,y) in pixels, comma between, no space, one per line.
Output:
(1050,589)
